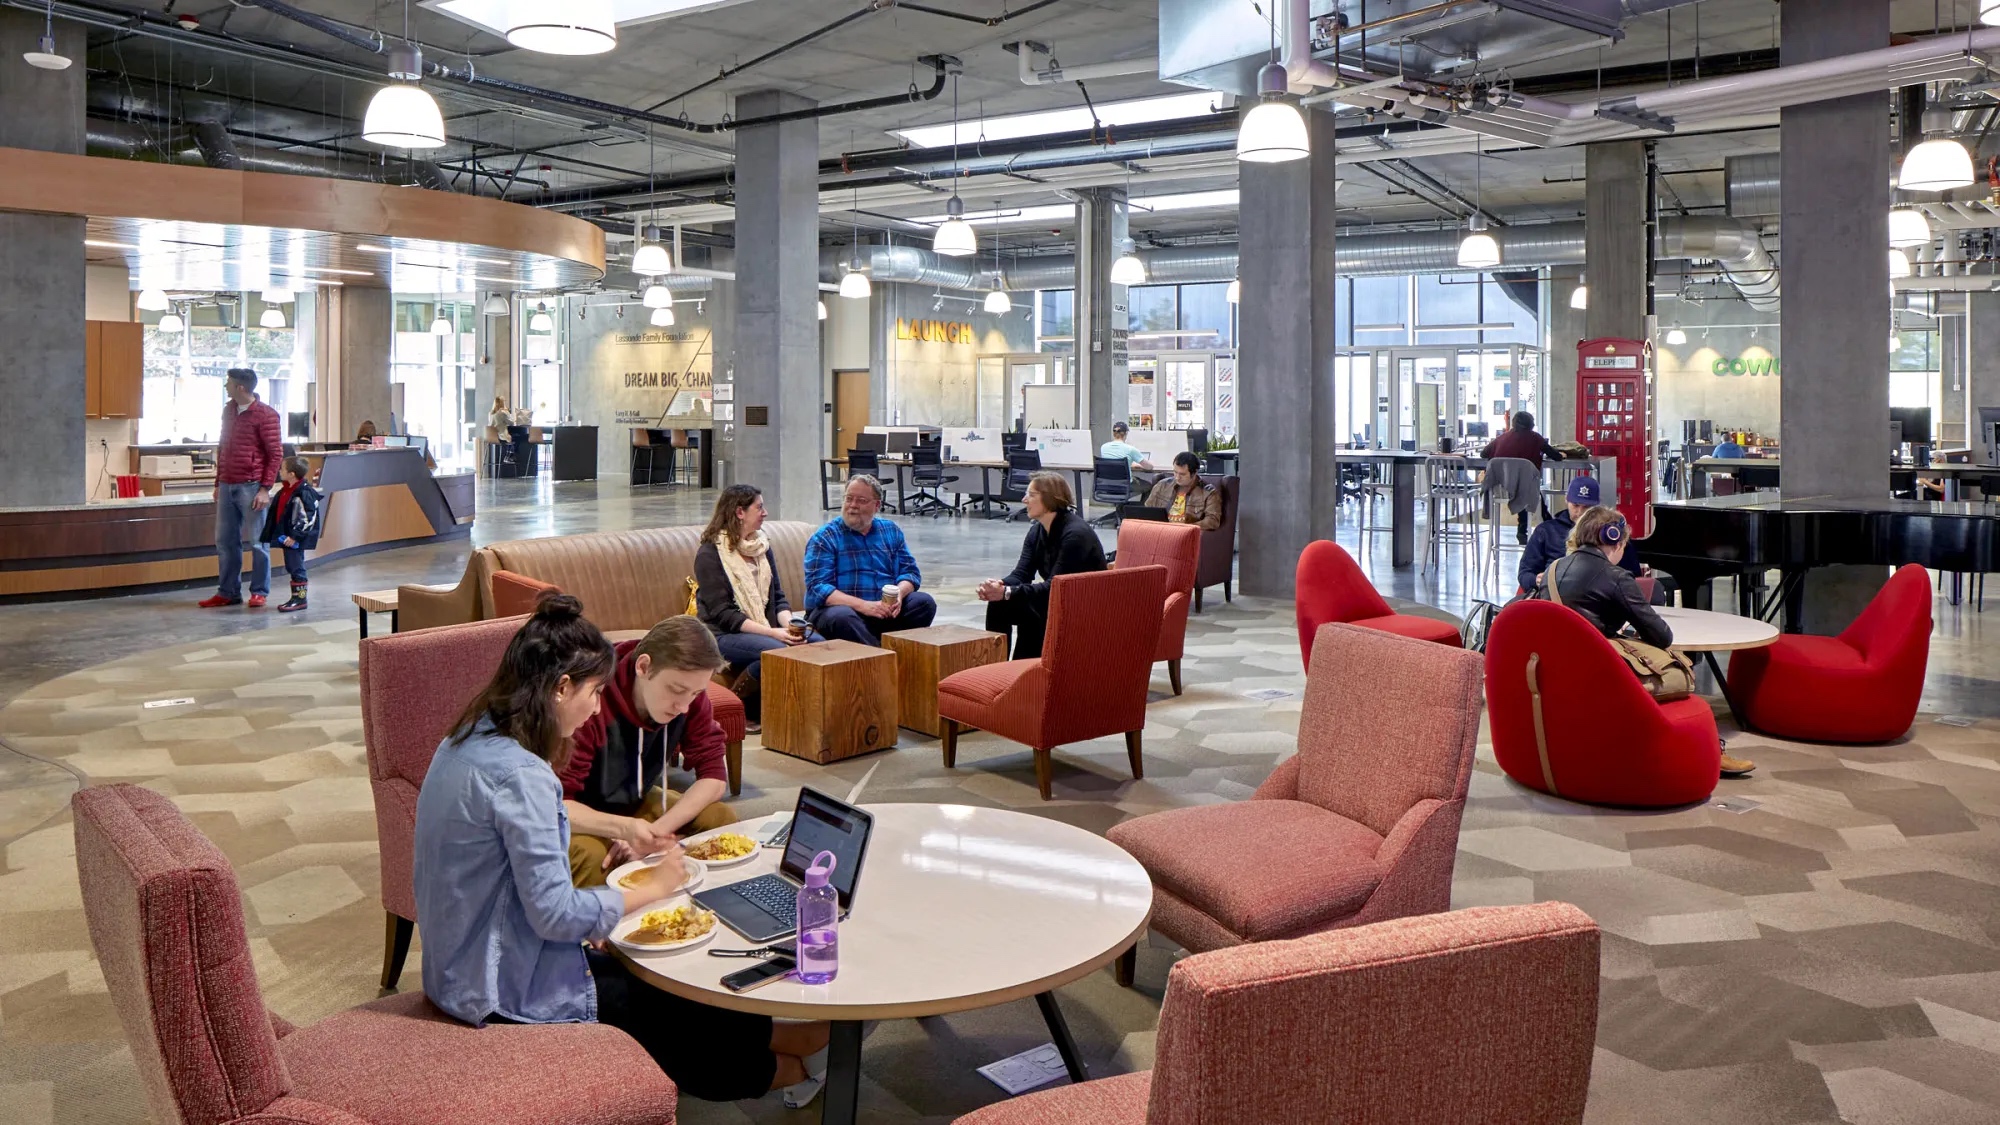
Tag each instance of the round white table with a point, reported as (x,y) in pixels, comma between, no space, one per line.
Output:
(957,908)
(1701,630)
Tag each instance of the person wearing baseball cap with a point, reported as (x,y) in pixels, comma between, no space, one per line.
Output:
(1548,541)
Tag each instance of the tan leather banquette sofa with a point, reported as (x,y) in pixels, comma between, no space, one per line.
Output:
(627,580)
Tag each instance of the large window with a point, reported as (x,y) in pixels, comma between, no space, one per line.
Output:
(1914,369)
(435,364)
(1055,314)
(184,371)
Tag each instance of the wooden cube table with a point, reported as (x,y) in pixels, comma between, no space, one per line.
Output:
(926,656)
(828,701)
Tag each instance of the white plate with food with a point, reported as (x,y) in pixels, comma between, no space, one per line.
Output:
(669,926)
(616,880)
(721,849)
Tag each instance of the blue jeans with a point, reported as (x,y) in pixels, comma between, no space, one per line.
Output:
(295,565)
(744,651)
(842,623)
(238,525)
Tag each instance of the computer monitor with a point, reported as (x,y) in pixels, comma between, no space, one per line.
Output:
(1989,432)
(872,443)
(1916,422)
(900,441)
(1476,429)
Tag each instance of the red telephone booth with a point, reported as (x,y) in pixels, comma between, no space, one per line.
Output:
(1614,419)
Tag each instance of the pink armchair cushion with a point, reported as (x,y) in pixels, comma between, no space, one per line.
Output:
(1263,869)
(400,1061)
(1118,1100)
(413,686)
(1391,722)
(1177,547)
(166,920)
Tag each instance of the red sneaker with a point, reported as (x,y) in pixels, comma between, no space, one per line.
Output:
(214,601)
(256,601)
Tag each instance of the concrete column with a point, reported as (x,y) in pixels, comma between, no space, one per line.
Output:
(779,432)
(366,330)
(1567,327)
(1285,362)
(1614,240)
(1102,314)
(1834,399)
(1982,374)
(42,279)
(1949,424)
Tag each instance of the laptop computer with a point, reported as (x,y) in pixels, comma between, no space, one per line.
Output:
(1142,512)
(766,908)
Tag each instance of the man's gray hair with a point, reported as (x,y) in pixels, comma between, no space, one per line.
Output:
(874,485)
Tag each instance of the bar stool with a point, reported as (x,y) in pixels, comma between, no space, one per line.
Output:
(1452,497)
(681,462)
(494,452)
(642,443)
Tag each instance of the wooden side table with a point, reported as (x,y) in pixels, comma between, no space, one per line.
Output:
(378,601)
(926,656)
(828,701)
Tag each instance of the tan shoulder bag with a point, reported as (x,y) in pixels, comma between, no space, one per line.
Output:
(1665,674)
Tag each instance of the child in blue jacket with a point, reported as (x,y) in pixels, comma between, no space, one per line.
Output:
(294,525)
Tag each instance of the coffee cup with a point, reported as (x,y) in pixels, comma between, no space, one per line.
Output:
(796,628)
(892,594)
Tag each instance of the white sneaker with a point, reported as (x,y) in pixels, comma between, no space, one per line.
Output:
(801,1094)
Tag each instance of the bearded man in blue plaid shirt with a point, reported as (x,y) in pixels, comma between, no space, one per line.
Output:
(848,564)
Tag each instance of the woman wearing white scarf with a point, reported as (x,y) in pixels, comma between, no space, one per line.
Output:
(738,595)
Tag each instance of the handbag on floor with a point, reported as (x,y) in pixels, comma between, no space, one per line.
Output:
(1665,674)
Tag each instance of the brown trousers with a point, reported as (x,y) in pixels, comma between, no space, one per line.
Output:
(586,853)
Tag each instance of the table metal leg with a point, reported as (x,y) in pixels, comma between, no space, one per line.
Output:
(364,624)
(839,1104)
(1059,1031)
(1722,685)
(395,621)
(1403,513)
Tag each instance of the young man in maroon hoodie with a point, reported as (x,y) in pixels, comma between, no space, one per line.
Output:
(654,708)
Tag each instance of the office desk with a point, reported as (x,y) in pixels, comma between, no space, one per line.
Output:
(902,464)
(1902,478)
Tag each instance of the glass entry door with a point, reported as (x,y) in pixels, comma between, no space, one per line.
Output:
(1423,392)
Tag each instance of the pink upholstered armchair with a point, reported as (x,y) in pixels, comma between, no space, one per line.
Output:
(1365,816)
(413,686)
(1177,547)
(166,918)
(1089,682)
(1484,1016)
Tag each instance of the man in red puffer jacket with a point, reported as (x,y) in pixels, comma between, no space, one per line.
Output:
(246,466)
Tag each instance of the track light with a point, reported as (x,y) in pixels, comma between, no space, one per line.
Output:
(663,317)
(1274,130)
(153,300)
(571,27)
(650,257)
(1909,226)
(403,114)
(541,321)
(656,297)
(954,238)
(271,318)
(1938,164)
(1235,291)
(1478,251)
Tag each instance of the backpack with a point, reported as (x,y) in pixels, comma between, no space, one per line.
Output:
(1665,674)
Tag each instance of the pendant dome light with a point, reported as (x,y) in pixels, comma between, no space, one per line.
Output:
(1899,264)
(663,317)
(997,301)
(1989,12)
(496,305)
(1274,130)
(1579,297)
(271,318)
(1676,337)
(153,300)
(403,114)
(541,321)
(1479,251)
(1909,226)
(1234,294)
(822,310)
(955,238)
(45,56)
(441,325)
(571,27)
(1938,164)
(656,296)
(278,297)
(650,257)
(1128,269)
(172,322)
(854,283)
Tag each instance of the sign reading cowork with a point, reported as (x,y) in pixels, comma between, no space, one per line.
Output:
(934,331)
(1745,365)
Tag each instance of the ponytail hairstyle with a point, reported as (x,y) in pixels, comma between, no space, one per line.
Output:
(1599,527)
(520,700)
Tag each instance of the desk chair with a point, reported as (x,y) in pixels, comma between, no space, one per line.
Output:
(1012,441)
(1110,483)
(864,461)
(642,445)
(1021,464)
(1197,441)
(927,477)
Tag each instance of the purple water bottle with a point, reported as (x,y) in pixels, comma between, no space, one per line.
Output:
(819,922)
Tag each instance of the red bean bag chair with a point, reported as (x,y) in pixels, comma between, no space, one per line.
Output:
(1607,741)
(1329,587)
(1861,686)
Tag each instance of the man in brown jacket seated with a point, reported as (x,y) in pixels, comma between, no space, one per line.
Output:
(655,707)
(1186,497)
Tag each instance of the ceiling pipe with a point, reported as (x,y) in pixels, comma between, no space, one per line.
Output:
(131,140)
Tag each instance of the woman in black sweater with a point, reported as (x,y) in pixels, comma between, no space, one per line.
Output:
(1060,542)
(737,592)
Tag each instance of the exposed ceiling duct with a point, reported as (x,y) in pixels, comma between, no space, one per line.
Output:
(1750,185)
(208,144)
(1734,247)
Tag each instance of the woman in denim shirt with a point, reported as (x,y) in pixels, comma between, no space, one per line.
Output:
(505,930)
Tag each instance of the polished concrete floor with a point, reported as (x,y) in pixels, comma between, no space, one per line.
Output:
(1830,954)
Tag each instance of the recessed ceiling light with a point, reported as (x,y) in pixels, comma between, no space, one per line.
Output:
(1036,124)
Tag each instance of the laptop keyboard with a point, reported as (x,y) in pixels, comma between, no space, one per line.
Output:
(774,895)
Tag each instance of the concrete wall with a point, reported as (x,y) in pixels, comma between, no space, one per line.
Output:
(366,331)
(934,382)
(1690,388)
(625,373)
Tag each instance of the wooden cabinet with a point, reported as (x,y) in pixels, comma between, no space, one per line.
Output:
(114,365)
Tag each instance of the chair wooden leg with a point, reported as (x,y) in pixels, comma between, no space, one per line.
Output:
(1197,599)
(1127,966)
(1228,591)
(1132,752)
(734,753)
(395,948)
(1045,772)
(950,743)
(1174,674)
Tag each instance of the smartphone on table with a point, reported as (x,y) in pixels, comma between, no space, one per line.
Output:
(762,973)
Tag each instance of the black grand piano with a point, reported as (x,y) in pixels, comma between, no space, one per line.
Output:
(1698,541)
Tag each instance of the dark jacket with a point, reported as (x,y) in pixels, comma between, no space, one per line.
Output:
(1525,444)
(251,445)
(1068,546)
(618,754)
(715,598)
(293,515)
(1607,597)
(1204,507)
(1550,541)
